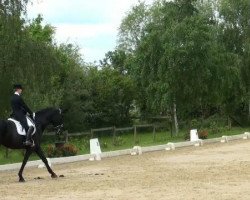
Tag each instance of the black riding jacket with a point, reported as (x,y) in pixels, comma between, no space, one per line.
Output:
(19,107)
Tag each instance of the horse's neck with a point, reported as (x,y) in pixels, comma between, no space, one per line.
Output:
(42,117)
(42,124)
(43,120)
(40,129)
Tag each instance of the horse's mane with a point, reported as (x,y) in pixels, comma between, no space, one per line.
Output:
(41,112)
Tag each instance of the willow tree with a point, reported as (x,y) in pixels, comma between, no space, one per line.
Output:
(178,62)
(235,23)
(132,27)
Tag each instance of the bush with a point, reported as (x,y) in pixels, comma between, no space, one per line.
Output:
(203,134)
(63,151)
(215,128)
(187,136)
(195,123)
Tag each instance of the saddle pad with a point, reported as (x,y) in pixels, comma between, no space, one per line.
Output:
(20,129)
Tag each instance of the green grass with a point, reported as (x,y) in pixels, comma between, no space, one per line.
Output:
(233,131)
(123,141)
(14,156)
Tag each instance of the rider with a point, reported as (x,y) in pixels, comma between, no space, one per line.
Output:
(20,109)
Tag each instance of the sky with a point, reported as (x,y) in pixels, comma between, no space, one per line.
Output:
(91,24)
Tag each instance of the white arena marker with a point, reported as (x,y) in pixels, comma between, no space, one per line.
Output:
(224,139)
(137,150)
(92,158)
(194,135)
(198,143)
(246,135)
(170,146)
(95,149)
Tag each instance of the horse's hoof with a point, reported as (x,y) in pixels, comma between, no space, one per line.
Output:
(21,180)
(53,176)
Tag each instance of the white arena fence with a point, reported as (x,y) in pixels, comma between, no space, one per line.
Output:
(134,151)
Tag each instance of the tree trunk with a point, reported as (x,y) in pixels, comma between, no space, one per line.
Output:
(249,109)
(229,122)
(176,126)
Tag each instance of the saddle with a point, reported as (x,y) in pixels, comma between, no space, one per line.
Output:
(20,129)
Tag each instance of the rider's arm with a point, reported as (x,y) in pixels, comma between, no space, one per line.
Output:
(27,109)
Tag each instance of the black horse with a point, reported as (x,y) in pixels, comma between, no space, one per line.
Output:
(11,139)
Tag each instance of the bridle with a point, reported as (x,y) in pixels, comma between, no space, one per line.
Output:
(58,129)
(60,126)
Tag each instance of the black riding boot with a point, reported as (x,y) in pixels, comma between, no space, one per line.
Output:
(28,141)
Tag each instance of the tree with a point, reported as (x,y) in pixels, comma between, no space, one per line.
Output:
(27,56)
(116,60)
(75,96)
(132,27)
(178,63)
(235,17)
(39,33)
(11,24)
(177,68)
(112,94)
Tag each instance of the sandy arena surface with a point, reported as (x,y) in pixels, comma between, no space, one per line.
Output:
(216,171)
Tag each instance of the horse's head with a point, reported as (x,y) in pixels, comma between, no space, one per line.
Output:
(51,116)
(57,121)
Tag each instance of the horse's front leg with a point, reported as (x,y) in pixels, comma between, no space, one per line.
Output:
(40,153)
(25,159)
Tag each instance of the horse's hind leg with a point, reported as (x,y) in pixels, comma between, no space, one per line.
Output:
(43,158)
(25,159)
